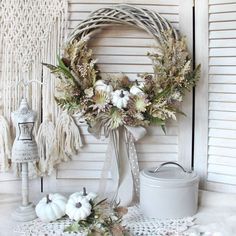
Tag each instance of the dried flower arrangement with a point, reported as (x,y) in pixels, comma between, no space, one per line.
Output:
(102,220)
(115,100)
(88,215)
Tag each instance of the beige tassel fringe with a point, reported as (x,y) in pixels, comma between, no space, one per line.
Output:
(68,140)
(45,140)
(5,144)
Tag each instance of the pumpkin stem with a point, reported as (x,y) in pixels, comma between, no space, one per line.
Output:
(78,205)
(136,82)
(84,192)
(48,199)
(122,94)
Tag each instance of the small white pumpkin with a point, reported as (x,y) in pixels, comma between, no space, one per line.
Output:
(78,208)
(51,207)
(89,196)
(137,89)
(101,85)
(120,98)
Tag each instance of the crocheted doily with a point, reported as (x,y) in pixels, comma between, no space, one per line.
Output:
(135,222)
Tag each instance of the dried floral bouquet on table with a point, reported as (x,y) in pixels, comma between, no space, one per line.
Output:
(86,213)
(95,218)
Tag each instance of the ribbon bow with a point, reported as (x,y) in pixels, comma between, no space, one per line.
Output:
(122,163)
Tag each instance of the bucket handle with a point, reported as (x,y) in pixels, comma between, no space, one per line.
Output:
(170,163)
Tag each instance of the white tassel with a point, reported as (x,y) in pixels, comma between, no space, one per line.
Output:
(68,140)
(45,141)
(5,144)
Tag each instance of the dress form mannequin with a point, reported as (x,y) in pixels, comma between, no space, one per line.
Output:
(24,150)
(24,147)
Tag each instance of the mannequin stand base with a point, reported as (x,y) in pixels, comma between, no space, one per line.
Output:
(24,213)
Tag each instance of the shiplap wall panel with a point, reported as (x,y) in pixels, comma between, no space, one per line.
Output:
(124,49)
(217,164)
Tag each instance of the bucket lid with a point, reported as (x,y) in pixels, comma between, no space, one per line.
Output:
(168,176)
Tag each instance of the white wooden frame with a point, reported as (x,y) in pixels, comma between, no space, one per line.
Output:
(201,91)
(56,183)
(184,15)
(185,122)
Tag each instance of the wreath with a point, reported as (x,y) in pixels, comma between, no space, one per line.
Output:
(109,102)
(114,100)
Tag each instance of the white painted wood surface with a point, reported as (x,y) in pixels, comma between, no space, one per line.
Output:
(215,126)
(124,49)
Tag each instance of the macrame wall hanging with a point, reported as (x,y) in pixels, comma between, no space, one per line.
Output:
(31,32)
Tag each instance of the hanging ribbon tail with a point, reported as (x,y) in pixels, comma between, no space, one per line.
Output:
(5,144)
(134,134)
(68,140)
(110,167)
(122,159)
(45,140)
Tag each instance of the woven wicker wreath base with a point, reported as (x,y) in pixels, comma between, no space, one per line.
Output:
(148,20)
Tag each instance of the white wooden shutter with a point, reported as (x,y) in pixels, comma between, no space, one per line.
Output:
(215,130)
(124,49)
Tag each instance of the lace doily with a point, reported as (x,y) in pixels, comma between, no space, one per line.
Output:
(140,225)
(135,222)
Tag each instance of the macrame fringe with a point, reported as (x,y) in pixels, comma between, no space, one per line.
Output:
(22,59)
(68,140)
(5,144)
(45,140)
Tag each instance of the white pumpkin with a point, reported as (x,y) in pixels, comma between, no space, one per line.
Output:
(120,98)
(51,207)
(89,196)
(137,89)
(78,208)
(100,85)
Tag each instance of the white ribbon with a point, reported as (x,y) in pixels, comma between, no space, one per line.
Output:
(122,162)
